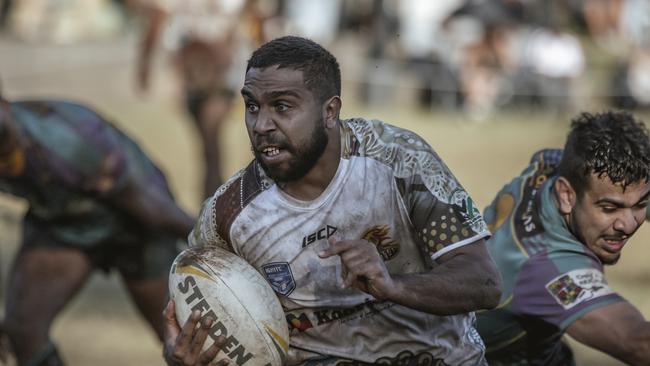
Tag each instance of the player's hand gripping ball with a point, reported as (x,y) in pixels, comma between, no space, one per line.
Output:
(242,304)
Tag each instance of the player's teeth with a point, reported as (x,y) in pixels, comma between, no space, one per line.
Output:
(271,151)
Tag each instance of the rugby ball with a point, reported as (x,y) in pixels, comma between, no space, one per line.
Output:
(244,306)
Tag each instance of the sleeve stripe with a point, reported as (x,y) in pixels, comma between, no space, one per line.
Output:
(459,244)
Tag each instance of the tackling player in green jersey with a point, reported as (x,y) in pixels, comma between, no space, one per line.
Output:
(554,228)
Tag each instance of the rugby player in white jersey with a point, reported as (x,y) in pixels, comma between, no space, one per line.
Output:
(374,249)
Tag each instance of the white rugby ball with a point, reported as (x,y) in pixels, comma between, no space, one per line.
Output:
(244,306)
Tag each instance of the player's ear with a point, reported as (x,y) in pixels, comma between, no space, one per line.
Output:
(331,110)
(565,194)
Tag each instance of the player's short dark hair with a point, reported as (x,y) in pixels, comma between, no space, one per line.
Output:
(612,144)
(321,71)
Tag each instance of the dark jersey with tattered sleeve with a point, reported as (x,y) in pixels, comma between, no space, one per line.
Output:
(73,165)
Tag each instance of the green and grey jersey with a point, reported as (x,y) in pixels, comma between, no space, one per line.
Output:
(550,279)
(391,189)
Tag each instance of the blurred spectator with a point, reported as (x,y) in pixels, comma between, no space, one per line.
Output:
(602,20)
(484,82)
(638,77)
(378,26)
(5,9)
(422,36)
(631,79)
(487,62)
(313,19)
(64,21)
(209,41)
(635,22)
(555,61)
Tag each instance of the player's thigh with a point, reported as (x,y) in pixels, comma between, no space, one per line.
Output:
(145,271)
(42,280)
(150,296)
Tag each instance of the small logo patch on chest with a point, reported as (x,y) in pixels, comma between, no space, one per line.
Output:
(280,277)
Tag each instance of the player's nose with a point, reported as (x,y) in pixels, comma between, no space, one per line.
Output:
(264,122)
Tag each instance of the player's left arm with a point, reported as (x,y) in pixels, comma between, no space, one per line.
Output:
(618,329)
(463,280)
(447,226)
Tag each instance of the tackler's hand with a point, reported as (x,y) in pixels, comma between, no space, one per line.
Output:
(183,347)
(362,266)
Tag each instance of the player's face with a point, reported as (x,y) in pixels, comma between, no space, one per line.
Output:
(285,122)
(607,215)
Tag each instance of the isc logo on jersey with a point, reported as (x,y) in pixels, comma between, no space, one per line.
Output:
(322,233)
(246,311)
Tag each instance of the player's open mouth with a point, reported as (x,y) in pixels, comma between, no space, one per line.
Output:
(614,245)
(273,154)
(271,151)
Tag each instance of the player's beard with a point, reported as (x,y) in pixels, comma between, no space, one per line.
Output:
(303,157)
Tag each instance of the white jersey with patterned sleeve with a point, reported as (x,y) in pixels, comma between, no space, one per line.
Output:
(391,189)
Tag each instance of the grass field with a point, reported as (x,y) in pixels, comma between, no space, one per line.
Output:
(101,327)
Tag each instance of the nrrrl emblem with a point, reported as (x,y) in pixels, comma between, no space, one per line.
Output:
(280,277)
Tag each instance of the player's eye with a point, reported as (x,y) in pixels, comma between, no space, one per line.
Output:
(252,107)
(282,107)
(608,209)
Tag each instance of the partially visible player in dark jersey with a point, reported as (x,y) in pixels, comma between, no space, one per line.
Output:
(554,228)
(96,201)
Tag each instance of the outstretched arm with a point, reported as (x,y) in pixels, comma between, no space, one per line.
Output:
(463,280)
(619,330)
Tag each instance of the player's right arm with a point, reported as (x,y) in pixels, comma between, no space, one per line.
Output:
(618,329)
(217,214)
(204,232)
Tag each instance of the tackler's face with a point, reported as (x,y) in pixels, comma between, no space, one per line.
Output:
(608,214)
(285,122)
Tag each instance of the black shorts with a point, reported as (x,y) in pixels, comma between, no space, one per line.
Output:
(136,255)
